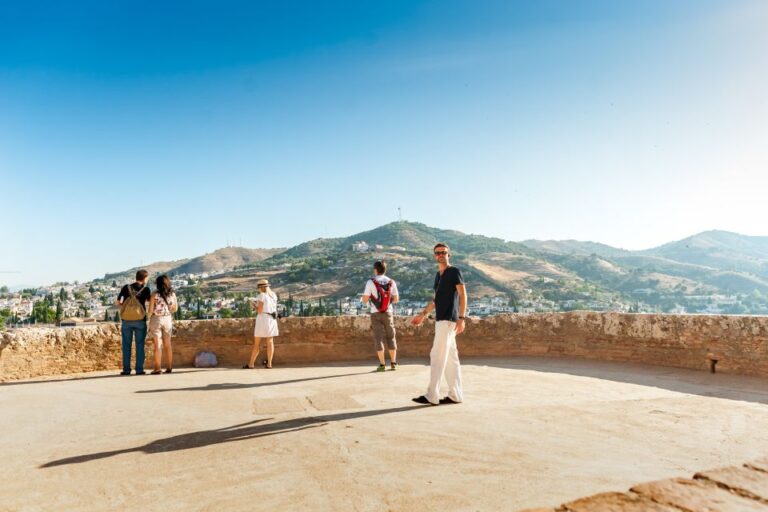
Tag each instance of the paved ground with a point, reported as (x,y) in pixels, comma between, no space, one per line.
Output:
(533,432)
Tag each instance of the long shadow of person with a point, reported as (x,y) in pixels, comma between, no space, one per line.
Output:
(243,431)
(241,385)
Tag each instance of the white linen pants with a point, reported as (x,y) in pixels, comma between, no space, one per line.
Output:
(444,360)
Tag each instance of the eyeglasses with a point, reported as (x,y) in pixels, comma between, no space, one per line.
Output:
(440,253)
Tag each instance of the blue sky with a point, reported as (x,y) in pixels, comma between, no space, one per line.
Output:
(135,132)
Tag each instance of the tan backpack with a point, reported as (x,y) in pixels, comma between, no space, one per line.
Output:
(132,309)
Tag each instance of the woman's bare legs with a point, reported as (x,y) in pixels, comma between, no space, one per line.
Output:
(254,352)
(270,351)
(168,351)
(158,353)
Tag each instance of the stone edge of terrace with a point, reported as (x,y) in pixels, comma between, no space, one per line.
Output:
(739,488)
(730,344)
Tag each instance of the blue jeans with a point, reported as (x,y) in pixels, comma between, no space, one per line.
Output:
(128,329)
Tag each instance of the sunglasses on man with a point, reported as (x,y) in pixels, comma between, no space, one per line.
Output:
(440,253)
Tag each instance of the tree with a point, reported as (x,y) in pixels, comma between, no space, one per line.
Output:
(62,295)
(3,289)
(114,284)
(59,312)
(5,315)
(91,289)
(243,309)
(42,312)
(116,318)
(226,313)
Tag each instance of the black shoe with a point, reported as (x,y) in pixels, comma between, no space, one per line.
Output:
(448,400)
(422,400)
(125,374)
(168,370)
(141,373)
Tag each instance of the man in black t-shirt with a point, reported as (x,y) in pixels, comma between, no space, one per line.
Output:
(450,306)
(134,328)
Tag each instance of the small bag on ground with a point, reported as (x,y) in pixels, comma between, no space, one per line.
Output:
(206,360)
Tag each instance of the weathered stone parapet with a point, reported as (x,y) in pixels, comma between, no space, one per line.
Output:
(738,344)
(737,488)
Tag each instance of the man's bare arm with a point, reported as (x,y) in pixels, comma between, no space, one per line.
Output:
(460,324)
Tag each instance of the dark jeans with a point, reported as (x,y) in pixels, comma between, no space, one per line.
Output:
(129,329)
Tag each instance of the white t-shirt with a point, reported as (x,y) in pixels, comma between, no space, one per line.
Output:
(269,301)
(370,291)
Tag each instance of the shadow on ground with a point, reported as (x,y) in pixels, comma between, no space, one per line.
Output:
(241,432)
(243,385)
(93,377)
(692,382)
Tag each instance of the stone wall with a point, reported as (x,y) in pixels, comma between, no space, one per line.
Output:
(739,343)
(736,488)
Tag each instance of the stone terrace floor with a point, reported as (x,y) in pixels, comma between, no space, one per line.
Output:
(532,432)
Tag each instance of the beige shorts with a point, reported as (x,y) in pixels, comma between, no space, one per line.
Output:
(159,326)
(383,327)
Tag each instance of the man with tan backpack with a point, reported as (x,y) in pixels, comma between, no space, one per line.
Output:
(132,302)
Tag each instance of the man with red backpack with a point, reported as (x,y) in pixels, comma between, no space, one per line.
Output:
(381,293)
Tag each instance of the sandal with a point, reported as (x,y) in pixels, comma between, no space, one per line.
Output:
(168,370)
(246,367)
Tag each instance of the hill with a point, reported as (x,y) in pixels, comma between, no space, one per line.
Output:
(219,260)
(690,273)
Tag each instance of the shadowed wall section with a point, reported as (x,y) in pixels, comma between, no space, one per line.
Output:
(738,343)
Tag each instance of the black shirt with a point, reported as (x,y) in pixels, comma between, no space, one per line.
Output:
(143,296)
(446,296)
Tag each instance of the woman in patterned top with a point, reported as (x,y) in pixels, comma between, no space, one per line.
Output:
(162,306)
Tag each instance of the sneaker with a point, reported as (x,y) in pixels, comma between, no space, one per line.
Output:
(422,400)
(393,367)
(381,368)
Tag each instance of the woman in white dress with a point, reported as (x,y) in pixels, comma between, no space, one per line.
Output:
(266,323)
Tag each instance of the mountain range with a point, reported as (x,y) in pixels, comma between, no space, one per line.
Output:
(706,264)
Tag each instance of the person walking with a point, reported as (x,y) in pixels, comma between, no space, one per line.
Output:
(162,306)
(450,306)
(266,323)
(381,293)
(132,302)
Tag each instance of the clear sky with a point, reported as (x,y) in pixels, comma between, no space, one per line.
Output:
(132,132)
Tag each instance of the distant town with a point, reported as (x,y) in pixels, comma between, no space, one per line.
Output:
(709,273)
(72,304)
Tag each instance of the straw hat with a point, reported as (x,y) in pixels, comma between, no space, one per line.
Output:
(262,282)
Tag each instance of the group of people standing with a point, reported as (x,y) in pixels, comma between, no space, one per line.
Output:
(137,304)
(380,293)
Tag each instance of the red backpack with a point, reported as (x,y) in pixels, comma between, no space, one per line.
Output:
(384,292)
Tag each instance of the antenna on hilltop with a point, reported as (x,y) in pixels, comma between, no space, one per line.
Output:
(399,214)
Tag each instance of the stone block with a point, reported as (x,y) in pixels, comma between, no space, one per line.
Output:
(615,502)
(743,480)
(697,496)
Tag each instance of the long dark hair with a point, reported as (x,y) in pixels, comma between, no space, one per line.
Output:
(164,287)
